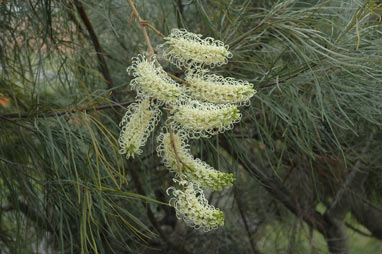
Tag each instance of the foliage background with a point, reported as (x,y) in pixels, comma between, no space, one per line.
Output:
(306,154)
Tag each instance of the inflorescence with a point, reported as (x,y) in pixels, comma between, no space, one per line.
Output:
(206,106)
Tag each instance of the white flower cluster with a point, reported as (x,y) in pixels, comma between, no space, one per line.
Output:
(191,206)
(194,170)
(187,48)
(207,106)
(137,124)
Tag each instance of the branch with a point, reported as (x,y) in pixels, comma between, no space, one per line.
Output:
(368,216)
(244,219)
(354,181)
(357,230)
(20,125)
(97,46)
(60,113)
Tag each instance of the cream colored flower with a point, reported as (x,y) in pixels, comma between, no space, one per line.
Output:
(185,49)
(191,206)
(137,124)
(194,170)
(218,89)
(152,80)
(204,119)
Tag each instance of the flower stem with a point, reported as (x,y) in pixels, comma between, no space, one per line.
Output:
(143,29)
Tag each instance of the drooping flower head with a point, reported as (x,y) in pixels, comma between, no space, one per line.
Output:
(204,119)
(191,206)
(137,124)
(194,170)
(218,89)
(185,49)
(151,80)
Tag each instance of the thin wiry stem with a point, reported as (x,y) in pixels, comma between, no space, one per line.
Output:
(178,160)
(178,79)
(145,23)
(143,29)
(150,48)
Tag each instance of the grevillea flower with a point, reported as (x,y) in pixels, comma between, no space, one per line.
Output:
(137,124)
(218,89)
(151,80)
(191,206)
(204,119)
(192,169)
(185,49)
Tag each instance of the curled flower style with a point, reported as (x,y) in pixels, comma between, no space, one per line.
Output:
(151,80)
(137,124)
(191,206)
(187,48)
(204,119)
(218,89)
(194,170)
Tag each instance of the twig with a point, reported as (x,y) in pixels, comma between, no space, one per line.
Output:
(147,39)
(178,79)
(20,125)
(143,29)
(60,113)
(152,28)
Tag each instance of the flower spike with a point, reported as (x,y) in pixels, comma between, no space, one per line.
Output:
(138,122)
(191,206)
(194,170)
(218,89)
(185,49)
(151,80)
(204,119)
